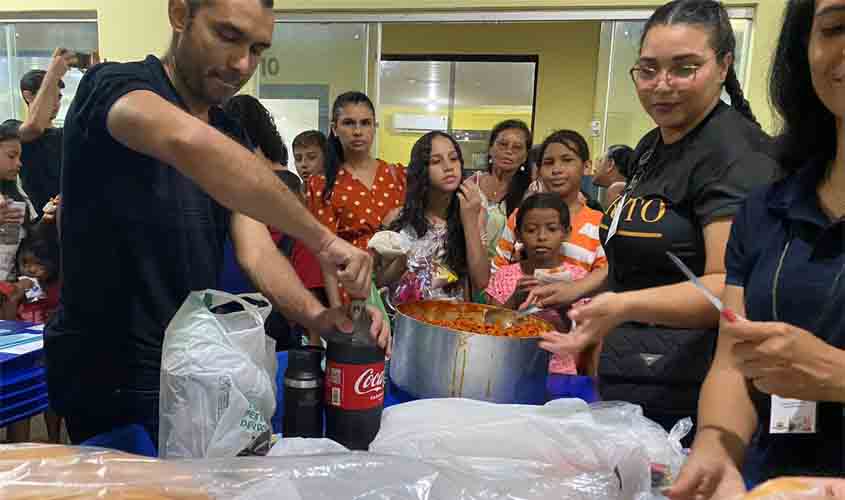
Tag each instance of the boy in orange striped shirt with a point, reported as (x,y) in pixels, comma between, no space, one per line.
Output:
(564,158)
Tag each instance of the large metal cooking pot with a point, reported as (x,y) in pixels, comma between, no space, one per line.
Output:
(430,361)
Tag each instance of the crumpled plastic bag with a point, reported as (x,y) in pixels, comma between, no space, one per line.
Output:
(448,449)
(605,450)
(218,380)
(425,277)
(390,244)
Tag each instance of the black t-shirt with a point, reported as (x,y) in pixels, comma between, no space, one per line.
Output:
(42,167)
(137,237)
(676,190)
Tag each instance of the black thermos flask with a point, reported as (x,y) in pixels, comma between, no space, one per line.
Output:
(304,393)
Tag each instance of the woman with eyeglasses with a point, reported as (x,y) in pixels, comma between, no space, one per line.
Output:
(504,185)
(688,178)
(357,194)
(786,275)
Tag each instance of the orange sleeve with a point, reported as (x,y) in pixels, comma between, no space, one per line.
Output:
(320,208)
(506,245)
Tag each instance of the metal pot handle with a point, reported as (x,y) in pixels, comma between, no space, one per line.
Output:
(385,298)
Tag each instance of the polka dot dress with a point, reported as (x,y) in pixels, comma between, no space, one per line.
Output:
(354,212)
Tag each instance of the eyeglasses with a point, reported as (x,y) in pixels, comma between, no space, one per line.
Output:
(515,147)
(649,76)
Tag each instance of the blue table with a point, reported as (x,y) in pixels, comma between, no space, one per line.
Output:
(557,387)
(23,379)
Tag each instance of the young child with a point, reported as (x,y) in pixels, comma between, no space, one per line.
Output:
(309,155)
(35,296)
(542,226)
(443,219)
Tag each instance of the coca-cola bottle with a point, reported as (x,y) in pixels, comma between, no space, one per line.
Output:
(303,383)
(354,390)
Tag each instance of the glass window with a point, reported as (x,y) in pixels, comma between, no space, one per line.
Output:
(465,97)
(308,66)
(30,45)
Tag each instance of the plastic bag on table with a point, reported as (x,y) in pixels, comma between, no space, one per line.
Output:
(65,473)
(602,451)
(217,378)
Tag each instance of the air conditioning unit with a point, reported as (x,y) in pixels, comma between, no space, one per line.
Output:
(407,122)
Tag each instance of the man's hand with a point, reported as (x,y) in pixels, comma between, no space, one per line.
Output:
(354,266)
(338,319)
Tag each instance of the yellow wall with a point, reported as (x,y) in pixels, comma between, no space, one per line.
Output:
(130,29)
(568,56)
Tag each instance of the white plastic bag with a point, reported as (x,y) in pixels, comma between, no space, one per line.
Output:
(593,452)
(217,378)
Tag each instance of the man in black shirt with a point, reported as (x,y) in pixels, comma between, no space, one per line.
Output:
(41,155)
(153,180)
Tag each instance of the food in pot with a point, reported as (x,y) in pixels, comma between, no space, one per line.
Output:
(469,318)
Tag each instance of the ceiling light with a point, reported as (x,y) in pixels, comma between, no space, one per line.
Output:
(431,107)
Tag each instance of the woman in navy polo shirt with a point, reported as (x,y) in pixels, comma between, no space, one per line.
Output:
(785,264)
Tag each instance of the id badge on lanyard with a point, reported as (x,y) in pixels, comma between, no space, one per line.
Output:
(617,214)
(642,163)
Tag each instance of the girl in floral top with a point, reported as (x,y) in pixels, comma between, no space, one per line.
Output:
(444,220)
(356,193)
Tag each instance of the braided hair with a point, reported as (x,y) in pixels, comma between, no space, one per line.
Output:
(711,15)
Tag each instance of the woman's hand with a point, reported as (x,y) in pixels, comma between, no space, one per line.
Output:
(593,321)
(391,217)
(788,361)
(707,474)
(469,197)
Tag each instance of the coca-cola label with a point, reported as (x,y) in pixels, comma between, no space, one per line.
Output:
(355,387)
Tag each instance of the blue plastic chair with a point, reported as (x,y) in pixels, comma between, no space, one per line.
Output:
(132,438)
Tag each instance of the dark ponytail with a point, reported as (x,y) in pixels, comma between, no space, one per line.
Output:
(711,15)
(334,148)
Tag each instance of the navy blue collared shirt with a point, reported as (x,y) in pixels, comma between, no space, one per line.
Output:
(789,258)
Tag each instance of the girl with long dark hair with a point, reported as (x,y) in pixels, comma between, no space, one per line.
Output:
(357,192)
(507,180)
(689,177)
(444,215)
(17,208)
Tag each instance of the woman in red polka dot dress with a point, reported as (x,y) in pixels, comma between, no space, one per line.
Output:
(357,192)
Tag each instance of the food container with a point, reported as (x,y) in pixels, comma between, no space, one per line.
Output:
(431,361)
